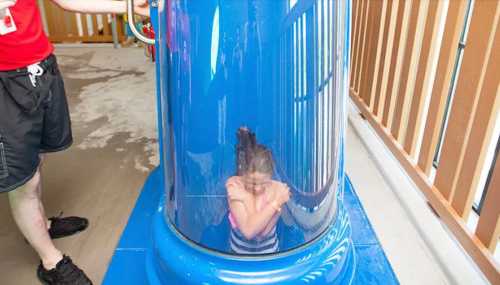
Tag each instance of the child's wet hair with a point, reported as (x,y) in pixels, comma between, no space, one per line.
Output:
(251,156)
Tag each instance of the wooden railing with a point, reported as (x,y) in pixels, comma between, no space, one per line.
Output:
(70,27)
(426,76)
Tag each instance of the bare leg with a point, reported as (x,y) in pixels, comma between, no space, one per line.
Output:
(39,191)
(28,213)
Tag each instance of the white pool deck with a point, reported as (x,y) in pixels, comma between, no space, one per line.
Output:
(418,246)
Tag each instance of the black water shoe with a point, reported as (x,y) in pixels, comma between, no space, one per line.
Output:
(65,273)
(65,226)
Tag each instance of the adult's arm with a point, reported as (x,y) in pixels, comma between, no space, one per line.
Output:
(6,3)
(102,6)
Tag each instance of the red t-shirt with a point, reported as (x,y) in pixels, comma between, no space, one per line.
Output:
(28,44)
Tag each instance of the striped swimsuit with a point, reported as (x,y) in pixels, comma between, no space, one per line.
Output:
(241,245)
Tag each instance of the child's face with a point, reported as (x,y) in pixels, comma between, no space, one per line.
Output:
(257,181)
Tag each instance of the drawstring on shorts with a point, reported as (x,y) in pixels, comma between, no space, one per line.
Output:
(34,71)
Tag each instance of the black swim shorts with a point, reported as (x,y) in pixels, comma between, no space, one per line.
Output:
(34,119)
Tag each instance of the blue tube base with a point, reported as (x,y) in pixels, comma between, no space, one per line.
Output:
(151,252)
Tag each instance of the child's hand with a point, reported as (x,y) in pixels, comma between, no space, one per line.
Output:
(283,193)
(7,3)
(235,182)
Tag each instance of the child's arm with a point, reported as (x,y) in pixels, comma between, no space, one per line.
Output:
(102,6)
(250,222)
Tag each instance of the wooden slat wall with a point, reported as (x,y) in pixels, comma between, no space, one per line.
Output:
(378,54)
(419,96)
(467,95)
(62,26)
(387,47)
(483,122)
(488,228)
(408,68)
(375,9)
(381,53)
(395,61)
(402,86)
(447,56)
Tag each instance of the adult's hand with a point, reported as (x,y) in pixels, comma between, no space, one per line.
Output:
(141,7)
(7,3)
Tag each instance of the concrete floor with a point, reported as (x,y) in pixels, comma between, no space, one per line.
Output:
(112,101)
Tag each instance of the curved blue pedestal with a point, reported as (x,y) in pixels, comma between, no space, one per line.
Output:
(149,252)
(328,260)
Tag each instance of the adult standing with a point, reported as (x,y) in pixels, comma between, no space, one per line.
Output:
(34,119)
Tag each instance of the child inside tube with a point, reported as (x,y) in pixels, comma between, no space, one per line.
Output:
(255,199)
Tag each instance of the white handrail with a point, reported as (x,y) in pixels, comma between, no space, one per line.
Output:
(131,24)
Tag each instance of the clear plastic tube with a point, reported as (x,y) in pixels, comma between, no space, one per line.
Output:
(274,69)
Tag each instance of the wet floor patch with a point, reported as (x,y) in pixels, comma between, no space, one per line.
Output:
(112,93)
